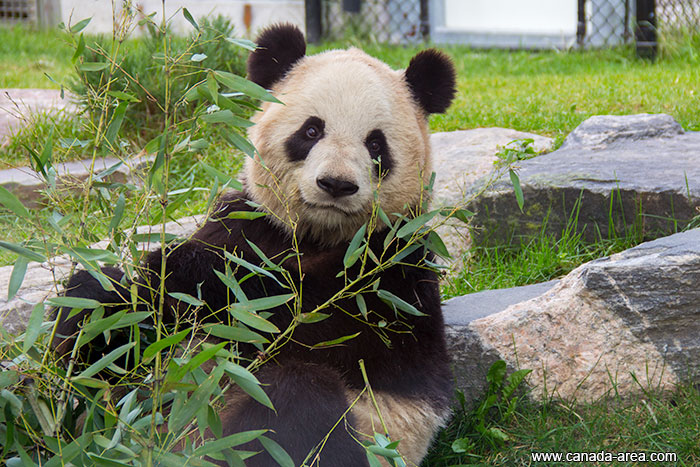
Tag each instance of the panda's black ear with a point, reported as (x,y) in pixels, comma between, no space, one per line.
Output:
(431,77)
(279,48)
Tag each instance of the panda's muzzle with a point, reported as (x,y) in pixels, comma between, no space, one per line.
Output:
(336,188)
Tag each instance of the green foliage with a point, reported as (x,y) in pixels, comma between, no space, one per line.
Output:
(540,259)
(484,424)
(148,401)
(652,421)
(137,76)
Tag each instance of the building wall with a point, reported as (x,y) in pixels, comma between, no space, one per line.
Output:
(263,12)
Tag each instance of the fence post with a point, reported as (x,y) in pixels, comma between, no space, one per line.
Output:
(313,21)
(645,29)
(581,24)
(424,20)
(352,6)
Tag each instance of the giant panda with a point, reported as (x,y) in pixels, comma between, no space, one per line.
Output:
(349,132)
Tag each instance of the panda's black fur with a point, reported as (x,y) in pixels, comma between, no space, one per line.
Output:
(309,388)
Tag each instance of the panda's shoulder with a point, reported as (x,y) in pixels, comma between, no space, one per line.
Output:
(232,223)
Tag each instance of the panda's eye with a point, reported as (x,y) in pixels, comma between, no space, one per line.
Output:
(312,132)
(374,146)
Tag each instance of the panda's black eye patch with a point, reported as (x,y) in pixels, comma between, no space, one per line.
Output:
(379,151)
(301,141)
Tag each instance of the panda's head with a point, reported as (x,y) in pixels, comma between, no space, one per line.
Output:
(348,127)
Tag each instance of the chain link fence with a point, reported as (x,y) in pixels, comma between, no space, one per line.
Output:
(17,11)
(607,23)
(678,16)
(601,23)
(385,21)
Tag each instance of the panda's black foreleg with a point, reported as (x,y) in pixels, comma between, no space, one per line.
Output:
(309,400)
(83,285)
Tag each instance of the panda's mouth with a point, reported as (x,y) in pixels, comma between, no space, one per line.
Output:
(334,207)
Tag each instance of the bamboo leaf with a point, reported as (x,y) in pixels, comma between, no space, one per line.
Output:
(396,302)
(118,214)
(240,142)
(33,327)
(67,453)
(361,305)
(227,117)
(236,333)
(236,439)
(104,362)
(414,225)
(252,320)
(517,188)
(437,246)
(308,318)
(221,177)
(189,18)
(159,345)
(197,361)
(79,49)
(249,215)
(187,298)
(354,250)
(334,342)
(253,268)
(80,25)
(461,214)
(213,88)
(276,452)
(11,202)
(73,302)
(198,399)
(17,277)
(238,83)
(92,66)
(123,96)
(116,123)
(252,388)
(245,43)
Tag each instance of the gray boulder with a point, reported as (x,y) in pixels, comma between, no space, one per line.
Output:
(625,323)
(460,159)
(614,175)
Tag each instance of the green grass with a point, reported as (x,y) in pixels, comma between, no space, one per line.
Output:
(541,259)
(648,422)
(551,92)
(27,55)
(543,92)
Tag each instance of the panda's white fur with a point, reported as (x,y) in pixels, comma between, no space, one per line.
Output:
(354,94)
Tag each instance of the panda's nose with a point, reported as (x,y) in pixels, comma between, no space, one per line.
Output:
(336,188)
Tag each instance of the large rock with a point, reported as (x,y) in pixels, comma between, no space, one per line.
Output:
(460,159)
(637,174)
(45,280)
(28,186)
(624,323)
(471,356)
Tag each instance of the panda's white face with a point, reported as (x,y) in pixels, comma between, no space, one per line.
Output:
(348,128)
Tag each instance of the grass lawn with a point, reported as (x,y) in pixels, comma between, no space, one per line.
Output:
(548,93)
(28,55)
